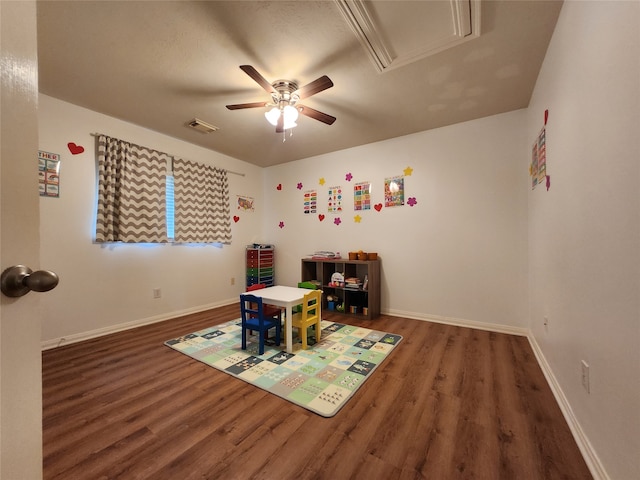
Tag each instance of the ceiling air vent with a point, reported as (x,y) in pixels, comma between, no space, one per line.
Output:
(202,127)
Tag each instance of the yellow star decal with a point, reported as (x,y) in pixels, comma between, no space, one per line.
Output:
(408,171)
(321,181)
(357,218)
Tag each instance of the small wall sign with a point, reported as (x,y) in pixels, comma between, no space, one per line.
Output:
(48,174)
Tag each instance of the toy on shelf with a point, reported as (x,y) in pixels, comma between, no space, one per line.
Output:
(337,280)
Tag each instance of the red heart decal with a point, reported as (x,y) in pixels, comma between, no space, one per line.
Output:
(236,218)
(279,187)
(75,149)
(378,206)
(321,217)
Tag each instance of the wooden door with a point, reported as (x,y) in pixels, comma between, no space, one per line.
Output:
(20,318)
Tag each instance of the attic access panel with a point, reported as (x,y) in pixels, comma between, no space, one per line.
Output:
(396,33)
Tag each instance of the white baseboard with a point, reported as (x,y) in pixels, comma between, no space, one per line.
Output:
(588,453)
(459,322)
(79,337)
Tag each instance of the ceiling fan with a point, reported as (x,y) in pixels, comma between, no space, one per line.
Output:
(285,95)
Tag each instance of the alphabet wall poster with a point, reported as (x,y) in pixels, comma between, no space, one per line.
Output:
(362,196)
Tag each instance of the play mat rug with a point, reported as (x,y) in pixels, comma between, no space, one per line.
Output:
(320,379)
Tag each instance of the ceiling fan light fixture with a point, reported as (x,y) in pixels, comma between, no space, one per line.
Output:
(290,116)
(272,116)
(289,125)
(285,94)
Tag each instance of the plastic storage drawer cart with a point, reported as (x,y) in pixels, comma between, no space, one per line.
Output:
(260,265)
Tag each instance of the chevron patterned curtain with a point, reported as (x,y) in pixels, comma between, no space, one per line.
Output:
(131,192)
(201,201)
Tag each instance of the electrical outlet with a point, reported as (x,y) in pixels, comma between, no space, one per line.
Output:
(157,293)
(233,281)
(585,376)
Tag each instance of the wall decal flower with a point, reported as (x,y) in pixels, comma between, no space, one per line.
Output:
(281,224)
(412,201)
(348,177)
(337,221)
(299,185)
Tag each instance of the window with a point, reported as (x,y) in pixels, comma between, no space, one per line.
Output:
(131,193)
(169,207)
(146,196)
(202,210)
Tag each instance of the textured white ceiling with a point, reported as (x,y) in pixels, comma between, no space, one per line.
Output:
(160,64)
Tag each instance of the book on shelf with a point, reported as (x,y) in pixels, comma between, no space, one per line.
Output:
(353,283)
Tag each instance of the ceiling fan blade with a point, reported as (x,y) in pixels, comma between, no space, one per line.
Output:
(314,87)
(239,106)
(280,125)
(316,115)
(259,79)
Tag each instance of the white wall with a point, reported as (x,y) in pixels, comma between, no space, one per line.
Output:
(106,286)
(585,231)
(459,254)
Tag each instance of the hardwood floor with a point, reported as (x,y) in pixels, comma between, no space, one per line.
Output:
(449,403)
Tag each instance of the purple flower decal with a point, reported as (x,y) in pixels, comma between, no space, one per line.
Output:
(299,185)
(281,224)
(348,177)
(337,221)
(412,201)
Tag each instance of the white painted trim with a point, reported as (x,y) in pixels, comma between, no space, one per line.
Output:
(459,322)
(361,20)
(588,452)
(79,337)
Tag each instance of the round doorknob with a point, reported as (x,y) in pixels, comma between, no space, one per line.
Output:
(19,280)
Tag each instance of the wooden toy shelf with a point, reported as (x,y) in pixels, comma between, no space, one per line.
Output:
(367,296)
